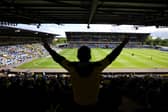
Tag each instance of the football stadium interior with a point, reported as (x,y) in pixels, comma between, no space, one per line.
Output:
(48,89)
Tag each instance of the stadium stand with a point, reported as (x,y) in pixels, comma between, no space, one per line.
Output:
(14,55)
(104,39)
(13,36)
(50,94)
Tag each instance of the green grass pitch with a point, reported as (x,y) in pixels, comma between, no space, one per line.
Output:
(143,58)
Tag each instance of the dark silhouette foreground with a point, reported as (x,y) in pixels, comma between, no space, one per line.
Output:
(85,74)
(121,94)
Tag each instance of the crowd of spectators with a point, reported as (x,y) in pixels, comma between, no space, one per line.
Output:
(17,54)
(53,94)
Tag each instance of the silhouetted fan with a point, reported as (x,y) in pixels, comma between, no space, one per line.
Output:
(84,69)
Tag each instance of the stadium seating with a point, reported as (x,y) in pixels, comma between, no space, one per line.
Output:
(104,39)
(119,94)
(17,54)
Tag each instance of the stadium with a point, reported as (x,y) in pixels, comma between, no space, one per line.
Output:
(30,80)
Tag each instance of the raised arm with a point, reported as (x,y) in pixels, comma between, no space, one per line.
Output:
(113,55)
(56,57)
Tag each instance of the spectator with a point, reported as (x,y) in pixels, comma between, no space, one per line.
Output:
(85,75)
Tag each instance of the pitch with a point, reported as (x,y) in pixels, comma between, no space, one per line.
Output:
(129,58)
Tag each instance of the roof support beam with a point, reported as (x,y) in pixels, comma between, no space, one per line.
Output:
(18,11)
(92,11)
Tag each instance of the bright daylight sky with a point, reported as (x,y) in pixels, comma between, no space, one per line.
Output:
(61,29)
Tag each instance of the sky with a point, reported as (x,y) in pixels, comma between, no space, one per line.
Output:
(61,29)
